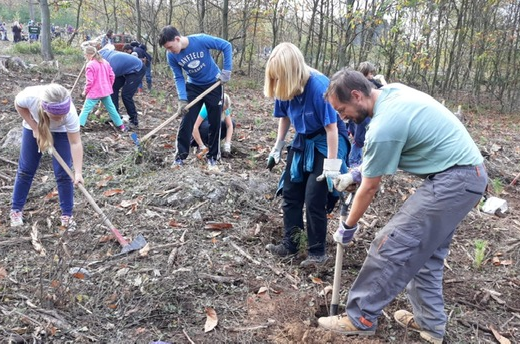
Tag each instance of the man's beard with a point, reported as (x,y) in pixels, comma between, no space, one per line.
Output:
(362,114)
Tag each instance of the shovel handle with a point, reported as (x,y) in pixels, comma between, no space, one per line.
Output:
(334,303)
(77,79)
(90,199)
(193,102)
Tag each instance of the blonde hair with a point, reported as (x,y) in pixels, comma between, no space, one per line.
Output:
(53,93)
(92,51)
(227,101)
(286,72)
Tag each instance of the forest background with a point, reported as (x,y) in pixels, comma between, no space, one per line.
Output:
(459,50)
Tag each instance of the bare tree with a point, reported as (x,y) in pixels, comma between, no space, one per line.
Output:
(46,48)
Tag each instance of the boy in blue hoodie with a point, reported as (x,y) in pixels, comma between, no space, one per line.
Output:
(191,54)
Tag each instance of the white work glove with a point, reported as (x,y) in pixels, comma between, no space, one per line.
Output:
(275,155)
(181,108)
(225,75)
(331,169)
(344,234)
(226,148)
(348,181)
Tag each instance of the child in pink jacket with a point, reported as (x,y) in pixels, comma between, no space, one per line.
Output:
(100,78)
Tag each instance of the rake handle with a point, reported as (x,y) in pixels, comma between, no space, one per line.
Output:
(193,102)
(90,199)
(77,79)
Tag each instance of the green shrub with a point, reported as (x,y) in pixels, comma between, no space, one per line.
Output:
(26,48)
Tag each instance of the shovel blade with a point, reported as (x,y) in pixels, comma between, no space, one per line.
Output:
(138,243)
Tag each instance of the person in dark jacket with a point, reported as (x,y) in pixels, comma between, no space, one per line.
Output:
(129,71)
(17,32)
(139,50)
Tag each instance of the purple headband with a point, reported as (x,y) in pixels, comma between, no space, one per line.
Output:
(58,109)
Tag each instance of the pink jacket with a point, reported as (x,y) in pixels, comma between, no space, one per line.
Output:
(100,78)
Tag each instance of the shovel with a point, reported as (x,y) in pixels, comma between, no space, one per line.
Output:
(165,123)
(77,79)
(334,303)
(138,242)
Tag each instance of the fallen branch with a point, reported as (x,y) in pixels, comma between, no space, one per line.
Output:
(37,245)
(24,239)
(6,177)
(187,337)
(242,251)
(9,161)
(250,328)
(218,279)
(513,182)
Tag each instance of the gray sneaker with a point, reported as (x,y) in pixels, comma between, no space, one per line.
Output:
(279,250)
(315,261)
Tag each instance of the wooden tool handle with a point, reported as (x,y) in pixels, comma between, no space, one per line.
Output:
(193,102)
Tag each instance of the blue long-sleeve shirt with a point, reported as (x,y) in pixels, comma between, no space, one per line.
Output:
(121,63)
(198,64)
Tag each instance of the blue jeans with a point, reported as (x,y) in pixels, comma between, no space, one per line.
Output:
(28,164)
(148,76)
(109,105)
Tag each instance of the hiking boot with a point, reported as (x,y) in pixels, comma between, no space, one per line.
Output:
(342,324)
(132,126)
(212,165)
(202,152)
(406,320)
(16,218)
(68,222)
(279,250)
(314,260)
(178,163)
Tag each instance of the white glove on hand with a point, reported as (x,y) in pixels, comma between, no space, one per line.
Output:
(344,234)
(331,169)
(275,155)
(225,75)
(344,181)
(226,148)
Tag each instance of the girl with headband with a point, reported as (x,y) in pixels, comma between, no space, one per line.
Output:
(50,120)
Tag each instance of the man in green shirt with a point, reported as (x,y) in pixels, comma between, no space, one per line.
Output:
(411,131)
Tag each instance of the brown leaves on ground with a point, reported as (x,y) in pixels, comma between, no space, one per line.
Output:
(211,319)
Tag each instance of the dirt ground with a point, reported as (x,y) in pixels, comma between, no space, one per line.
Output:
(206,234)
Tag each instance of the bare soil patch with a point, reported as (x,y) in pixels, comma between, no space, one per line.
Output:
(163,294)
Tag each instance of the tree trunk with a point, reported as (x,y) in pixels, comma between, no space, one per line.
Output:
(78,14)
(31,9)
(225,25)
(138,25)
(46,48)
(201,6)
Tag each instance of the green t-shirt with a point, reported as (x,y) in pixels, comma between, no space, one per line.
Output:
(412,131)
